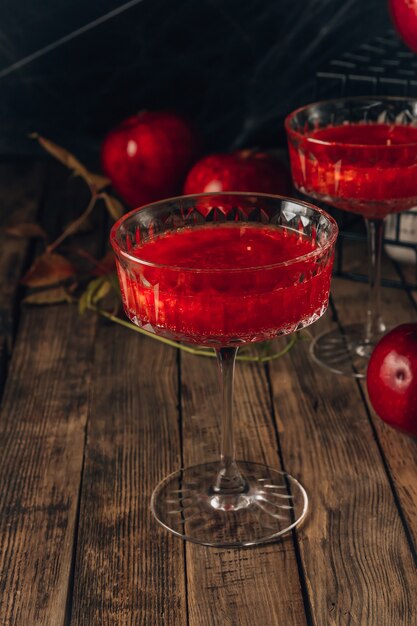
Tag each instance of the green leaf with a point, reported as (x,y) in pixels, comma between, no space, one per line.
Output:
(96,290)
(101,292)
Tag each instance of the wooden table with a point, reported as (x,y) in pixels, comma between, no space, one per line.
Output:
(94,415)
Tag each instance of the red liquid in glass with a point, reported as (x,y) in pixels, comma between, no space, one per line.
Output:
(199,295)
(365,168)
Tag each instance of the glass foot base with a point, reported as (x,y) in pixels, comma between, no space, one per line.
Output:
(347,354)
(270,505)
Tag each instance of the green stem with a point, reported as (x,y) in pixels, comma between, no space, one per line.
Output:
(195,351)
(271,357)
(126,324)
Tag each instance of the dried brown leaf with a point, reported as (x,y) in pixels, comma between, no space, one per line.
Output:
(114,207)
(48,269)
(49,296)
(69,160)
(25,230)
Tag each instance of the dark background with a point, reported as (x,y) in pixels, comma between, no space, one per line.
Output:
(235,67)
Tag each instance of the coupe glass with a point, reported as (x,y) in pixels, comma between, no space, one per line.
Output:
(360,155)
(225,270)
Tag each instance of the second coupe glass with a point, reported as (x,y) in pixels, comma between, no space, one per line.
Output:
(359,155)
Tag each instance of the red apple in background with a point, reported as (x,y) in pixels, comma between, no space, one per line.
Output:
(148,156)
(392,378)
(244,170)
(404,16)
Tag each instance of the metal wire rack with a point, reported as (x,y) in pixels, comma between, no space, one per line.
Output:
(383,66)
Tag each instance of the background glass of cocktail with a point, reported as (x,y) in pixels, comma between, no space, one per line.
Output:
(225,270)
(360,155)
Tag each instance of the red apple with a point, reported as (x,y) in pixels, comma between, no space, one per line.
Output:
(392,378)
(244,170)
(404,16)
(148,156)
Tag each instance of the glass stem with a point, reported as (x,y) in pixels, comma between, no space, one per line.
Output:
(229,479)
(374,323)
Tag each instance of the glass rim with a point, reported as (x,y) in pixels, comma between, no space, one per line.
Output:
(118,250)
(376,99)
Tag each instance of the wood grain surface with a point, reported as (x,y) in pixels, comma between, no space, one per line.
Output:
(236,586)
(21,184)
(129,570)
(356,557)
(42,421)
(355,548)
(93,416)
(42,432)
(398,452)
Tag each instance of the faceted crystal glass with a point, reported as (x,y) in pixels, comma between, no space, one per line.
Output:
(224,270)
(359,155)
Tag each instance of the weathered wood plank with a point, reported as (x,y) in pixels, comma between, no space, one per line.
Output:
(354,550)
(356,556)
(357,560)
(236,587)
(129,570)
(399,451)
(42,426)
(42,432)
(21,184)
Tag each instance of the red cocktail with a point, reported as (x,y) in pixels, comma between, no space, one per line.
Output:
(360,155)
(369,169)
(226,284)
(224,270)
